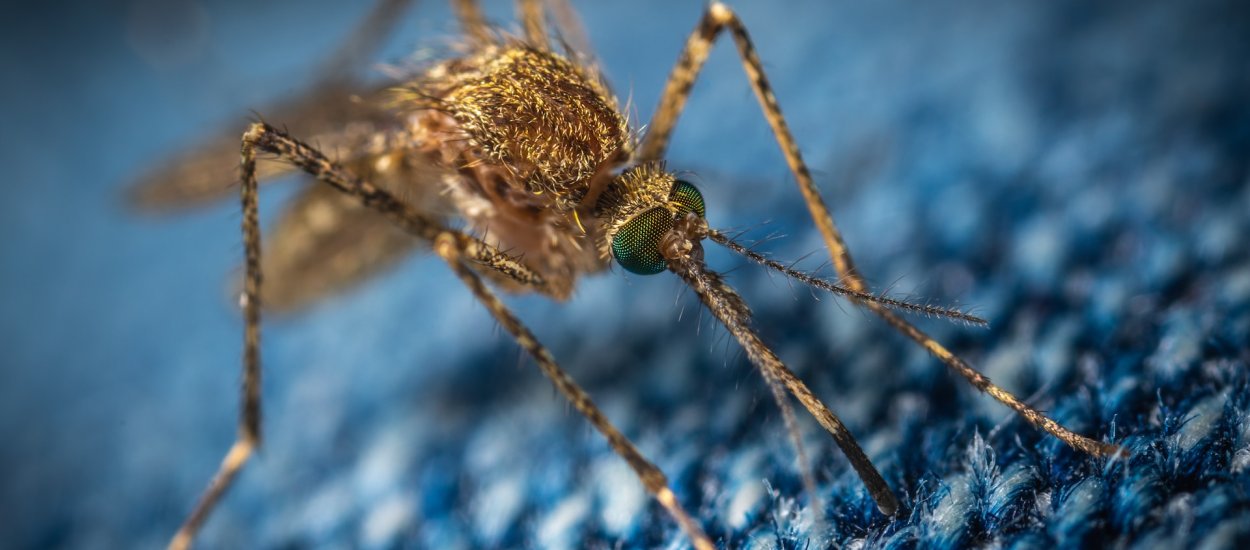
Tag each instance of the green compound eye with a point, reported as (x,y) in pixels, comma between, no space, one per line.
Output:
(637,245)
(687,198)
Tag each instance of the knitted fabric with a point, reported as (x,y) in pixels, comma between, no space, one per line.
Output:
(1077,174)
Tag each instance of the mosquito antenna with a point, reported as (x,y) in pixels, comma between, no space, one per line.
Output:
(901,305)
(727,306)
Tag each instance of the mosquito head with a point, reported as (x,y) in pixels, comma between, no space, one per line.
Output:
(641,211)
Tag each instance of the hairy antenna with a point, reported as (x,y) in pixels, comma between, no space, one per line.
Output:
(895,303)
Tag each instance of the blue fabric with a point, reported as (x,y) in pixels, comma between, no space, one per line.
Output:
(1077,174)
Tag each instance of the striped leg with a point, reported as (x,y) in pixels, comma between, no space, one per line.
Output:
(570,29)
(732,312)
(456,248)
(531,15)
(364,41)
(472,22)
(652,478)
(264,138)
(719,17)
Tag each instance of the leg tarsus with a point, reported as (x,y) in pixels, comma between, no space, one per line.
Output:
(985,385)
(732,312)
(472,22)
(569,28)
(261,137)
(456,248)
(796,439)
(250,406)
(531,14)
(719,17)
(233,462)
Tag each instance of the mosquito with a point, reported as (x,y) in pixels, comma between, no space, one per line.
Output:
(520,137)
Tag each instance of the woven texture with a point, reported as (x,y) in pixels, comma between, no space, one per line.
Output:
(1079,175)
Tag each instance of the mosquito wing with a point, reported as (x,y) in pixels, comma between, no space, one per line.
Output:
(336,114)
(327,242)
(337,120)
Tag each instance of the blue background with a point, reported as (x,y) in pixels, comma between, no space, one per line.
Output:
(1075,172)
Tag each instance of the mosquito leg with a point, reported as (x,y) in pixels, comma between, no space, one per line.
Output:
(719,17)
(472,22)
(681,80)
(732,312)
(249,436)
(364,40)
(570,27)
(268,139)
(530,12)
(652,478)
(261,137)
(455,247)
(983,383)
(796,439)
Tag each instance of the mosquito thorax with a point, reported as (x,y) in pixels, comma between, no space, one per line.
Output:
(641,206)
(552,122)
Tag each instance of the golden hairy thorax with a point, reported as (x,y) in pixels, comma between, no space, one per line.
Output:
(549,123)
(526,137)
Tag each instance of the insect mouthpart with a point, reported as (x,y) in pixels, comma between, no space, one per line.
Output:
(637,244)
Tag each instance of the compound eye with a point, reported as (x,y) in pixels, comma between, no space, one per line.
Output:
(636,245)
(687,198)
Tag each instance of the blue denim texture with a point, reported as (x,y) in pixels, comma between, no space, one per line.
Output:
(1078,173)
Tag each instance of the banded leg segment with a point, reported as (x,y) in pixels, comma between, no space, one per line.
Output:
(531,14)
(266,138)
(796,438)
(261,137)
(652,478)
(454,246)
(472,22)
(249,435)
(718,18)
(732,312)
(364,41)
(570,29)
(983,383)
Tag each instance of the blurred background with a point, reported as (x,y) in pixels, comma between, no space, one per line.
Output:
(1076,172)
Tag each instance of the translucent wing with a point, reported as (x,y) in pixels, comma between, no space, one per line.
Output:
(336,120)
(327,241)
(337,114)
